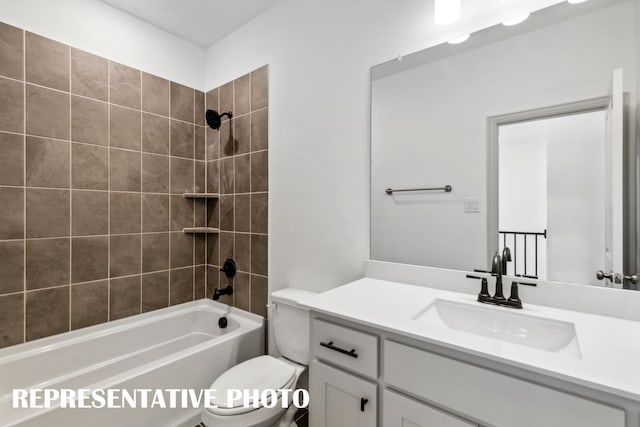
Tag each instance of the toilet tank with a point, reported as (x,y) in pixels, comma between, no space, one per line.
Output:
(291,324)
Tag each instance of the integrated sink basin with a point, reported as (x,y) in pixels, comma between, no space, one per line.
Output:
(550,335)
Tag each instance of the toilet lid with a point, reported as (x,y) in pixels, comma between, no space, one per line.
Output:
(261,373)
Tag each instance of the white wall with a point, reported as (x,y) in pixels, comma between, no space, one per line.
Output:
(319,55)
(103,30)
(438,132)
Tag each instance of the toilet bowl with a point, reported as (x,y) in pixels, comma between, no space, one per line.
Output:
(291,334)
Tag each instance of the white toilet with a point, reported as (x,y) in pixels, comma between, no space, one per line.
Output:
(291,333)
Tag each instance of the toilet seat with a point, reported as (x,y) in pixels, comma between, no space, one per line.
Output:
(260,373)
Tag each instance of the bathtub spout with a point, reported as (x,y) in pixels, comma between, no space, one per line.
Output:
(217,293)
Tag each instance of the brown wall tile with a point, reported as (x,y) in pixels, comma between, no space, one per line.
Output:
(181,175)
(89,75)
(155,94)
(125,170)
(155,217)
(226,176)
(89,304)
(226,98)
(47,62)
(181,289)
(12,159)
(200,286)
(182,102)
(155,134)
(89,166)
(211,100)
(213,143)
(228,144)
(213,176)
(200,143)
(155,173)
(48,163)
(242,174)
(199,112)
(181,250)
(155,291)
(124,128)
(259,254)
(260,130)
(243,251)
(12,213)
(124,85)
(259,213)
(41,320)
(242,133)
(11,106)
(212,280)
(243,213)
(12,266)
(48,213)
(182,139)
(200,256)
(126,255)
(226,247)
(89,121)
(242,95)
(47,263)
(89,258)
(126,211)
(11,320)
(200,178)
(260,88)
(259,295)
(48,113)
(182,213)
(11,52)
(155,252)
(227,207)
(124,297)
(89,213)
(260,171)
(242,292)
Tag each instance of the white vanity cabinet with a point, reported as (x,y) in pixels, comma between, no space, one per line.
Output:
(361,376)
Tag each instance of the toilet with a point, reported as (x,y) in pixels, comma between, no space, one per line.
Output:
(291,334)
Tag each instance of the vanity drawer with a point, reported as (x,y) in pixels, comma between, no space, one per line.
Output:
(487,396)
(345,347)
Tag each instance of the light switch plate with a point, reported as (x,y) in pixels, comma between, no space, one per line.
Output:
(472,205)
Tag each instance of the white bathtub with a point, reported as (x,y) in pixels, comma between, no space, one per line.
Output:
(180,347)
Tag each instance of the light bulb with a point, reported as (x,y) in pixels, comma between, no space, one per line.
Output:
(446,11)
(515,21)
(459,40)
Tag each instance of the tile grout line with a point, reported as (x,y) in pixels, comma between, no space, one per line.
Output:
(24,189)
(70,193)
(109,190)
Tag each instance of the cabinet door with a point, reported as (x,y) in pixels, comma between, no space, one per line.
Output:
(400,411)
(339,399)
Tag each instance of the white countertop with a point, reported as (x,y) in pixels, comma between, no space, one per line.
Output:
(609,347)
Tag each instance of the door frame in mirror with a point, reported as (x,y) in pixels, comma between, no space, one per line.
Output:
(493,124)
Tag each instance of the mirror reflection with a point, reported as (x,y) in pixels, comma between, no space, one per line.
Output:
(534,129)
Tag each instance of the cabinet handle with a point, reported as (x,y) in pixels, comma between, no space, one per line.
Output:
(363,402)
(330,346)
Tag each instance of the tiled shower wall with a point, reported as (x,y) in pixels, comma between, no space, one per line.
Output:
(94,159)
(237,165)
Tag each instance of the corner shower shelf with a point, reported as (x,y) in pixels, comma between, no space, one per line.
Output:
(201,195)
(201,230)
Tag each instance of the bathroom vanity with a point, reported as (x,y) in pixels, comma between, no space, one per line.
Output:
(391,354)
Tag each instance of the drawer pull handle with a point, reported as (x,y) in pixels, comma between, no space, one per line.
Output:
(363,402)
(330,346)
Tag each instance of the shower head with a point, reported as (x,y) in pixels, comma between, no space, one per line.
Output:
(214,119)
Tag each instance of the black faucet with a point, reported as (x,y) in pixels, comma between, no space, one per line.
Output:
(506,257)
(217,293)
(496,270)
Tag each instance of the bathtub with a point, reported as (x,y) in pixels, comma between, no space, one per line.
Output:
(180,347)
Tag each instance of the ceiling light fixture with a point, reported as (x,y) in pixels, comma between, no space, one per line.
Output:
(459,40)
(446,11)
(515,21)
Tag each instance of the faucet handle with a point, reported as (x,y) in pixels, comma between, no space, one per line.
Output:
(514,299)
(484,295)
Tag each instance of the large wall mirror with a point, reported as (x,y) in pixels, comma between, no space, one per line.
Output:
(522,136)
